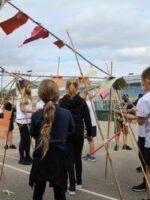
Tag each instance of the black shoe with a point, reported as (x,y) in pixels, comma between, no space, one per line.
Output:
(139,169)
(145,199)
(116,147)
(29,160)
(139,188)
(6,147)
(12,146)
(126,147)
(24,162)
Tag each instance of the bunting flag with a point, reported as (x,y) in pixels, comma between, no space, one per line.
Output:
(84,80)
(13,23)
(91,72)
(59,81)
(4,124)
(2,3)
(104,93)
(36,34)
(59,43)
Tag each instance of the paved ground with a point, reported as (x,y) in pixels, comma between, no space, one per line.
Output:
(95,185)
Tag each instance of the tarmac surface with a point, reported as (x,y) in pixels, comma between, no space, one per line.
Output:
(95,185)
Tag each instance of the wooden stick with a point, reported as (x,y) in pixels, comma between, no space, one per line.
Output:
(109,156)
(59,39)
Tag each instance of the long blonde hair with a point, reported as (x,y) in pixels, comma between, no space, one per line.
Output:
(72,86)
(25,96)
(49,93)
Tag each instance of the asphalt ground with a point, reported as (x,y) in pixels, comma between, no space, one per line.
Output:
(95,185)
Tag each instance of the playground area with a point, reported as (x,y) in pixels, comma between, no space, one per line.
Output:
(14,183)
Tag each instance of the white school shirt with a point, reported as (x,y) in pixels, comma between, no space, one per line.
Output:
(144,111)
(92,115)
(40,104)
(21,117)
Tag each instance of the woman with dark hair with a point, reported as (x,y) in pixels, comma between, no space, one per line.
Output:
(80,112)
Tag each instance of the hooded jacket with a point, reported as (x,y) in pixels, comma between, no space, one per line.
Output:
(79,110)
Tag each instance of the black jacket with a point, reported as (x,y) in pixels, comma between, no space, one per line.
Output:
(79,111)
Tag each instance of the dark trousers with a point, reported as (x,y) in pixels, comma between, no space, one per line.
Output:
(39,189)
(74,160)
(141,143)
(24,145)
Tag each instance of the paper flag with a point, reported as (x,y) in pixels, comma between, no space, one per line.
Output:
(36,34)
(84,80)
(59,43)
(59,81)
(4,124)
(13,23)
(104,93)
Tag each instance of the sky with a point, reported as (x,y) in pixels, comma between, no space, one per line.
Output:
(103,31)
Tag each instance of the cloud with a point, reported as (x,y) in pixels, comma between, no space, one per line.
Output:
(103,31)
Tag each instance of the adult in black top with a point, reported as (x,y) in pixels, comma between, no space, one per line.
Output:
(49,128)
(9,107)
(80,112)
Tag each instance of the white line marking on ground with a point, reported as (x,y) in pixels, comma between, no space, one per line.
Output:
(83,190)
(97,194)
(15,168)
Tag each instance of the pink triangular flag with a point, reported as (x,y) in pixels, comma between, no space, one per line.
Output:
(36,34)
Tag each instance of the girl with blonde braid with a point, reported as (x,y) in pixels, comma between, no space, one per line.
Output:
(49,128)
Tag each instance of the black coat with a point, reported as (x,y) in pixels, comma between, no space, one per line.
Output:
(79,111)
(52,167)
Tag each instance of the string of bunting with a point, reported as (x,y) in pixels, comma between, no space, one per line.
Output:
(10,25)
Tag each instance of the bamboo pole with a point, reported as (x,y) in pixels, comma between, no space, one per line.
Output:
(72,49)
(102,136)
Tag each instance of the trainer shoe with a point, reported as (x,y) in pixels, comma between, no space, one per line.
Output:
(85,157)
(71,192)
(126,147)
(79,186)
(92,158)
(139,188)
(12,146)
(116,147)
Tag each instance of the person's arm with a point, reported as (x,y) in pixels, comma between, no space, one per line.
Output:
(141,120)
(33,131)
(87,119)
(24,110)
(132,110)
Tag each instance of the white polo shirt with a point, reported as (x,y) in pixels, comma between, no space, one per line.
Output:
(143,107)
(21,117)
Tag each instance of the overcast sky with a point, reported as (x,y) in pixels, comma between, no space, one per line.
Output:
(102,31)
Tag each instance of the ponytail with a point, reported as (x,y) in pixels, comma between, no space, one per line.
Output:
(49,93)
(48,118)
(72,86)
